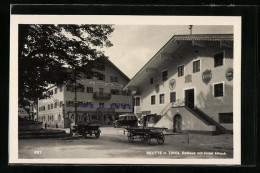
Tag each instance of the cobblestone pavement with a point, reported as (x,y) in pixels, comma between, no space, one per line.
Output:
(113,143)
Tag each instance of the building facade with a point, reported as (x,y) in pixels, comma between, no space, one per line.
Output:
(99,98)
(189,83)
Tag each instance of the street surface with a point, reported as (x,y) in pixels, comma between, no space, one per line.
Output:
(113,143)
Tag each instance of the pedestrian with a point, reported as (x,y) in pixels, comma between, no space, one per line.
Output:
(45,125)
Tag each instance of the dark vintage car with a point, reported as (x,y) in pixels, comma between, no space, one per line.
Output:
(85,129)
(129,120)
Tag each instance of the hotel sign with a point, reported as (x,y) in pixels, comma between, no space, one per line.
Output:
(206,76)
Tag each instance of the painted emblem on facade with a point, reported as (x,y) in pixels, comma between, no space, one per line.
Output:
(157,88)
(206,76)
(229,74)
(172,84)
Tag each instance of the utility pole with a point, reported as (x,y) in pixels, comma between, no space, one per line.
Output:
(75,101)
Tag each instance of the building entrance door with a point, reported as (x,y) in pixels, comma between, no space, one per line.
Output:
(177,123)
(189,98)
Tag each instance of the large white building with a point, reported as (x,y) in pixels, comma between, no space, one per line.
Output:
(100,98)
(189,83)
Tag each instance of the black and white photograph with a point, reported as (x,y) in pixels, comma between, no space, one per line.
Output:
(125,89)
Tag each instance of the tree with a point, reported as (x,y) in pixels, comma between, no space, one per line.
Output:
(54,54)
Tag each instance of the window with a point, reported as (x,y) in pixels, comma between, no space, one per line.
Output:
(218,90)
(101,105)
(137,101)
(61,88)
(100,67)
(55,90)
(164,75)
(101,77)
(61,103)
(55,104)
(196,66)
(173,97)
(115,91)
(218,59)
(180,70)
(48,107)
(51,92)
(52,106)
(81,88)
(161,98)
(87,104)
(69,88)
(88,76)
(59,118)
(226,118)
(152,100)
(151,80)
(70,103)
(113,79)
(89,89)
(101,91)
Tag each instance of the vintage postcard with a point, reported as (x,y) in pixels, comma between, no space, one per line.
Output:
(89,89)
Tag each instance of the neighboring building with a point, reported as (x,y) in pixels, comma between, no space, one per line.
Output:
(189,83)
(100,98)
(22,112)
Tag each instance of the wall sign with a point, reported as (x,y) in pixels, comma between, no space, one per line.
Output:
(206,76)
(172,84)
(229,74)
(157,88)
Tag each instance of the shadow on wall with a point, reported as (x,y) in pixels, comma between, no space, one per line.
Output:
(208,100)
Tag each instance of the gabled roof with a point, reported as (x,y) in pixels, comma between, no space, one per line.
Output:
(177,38)
(117,69)
(205,37)
(110,63)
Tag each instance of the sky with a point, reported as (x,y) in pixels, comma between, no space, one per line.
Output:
(134,45)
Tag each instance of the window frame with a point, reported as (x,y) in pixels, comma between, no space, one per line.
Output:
(136,101)
(171,97)
(163,78)
(162,101)
(88,90)
(223,89)
(182,71)
(198,60)
(217,53)
(153,100)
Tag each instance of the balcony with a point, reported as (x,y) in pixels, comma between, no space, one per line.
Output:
(100,95)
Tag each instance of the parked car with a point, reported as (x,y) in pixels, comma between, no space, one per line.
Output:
(129,120)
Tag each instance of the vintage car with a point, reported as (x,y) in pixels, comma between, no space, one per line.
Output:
(129,120)
(85,129)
